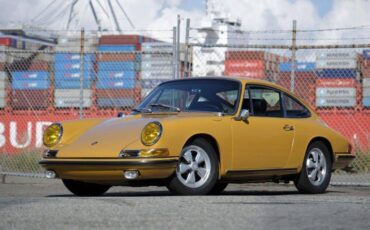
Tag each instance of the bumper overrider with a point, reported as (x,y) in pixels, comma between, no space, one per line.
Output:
(110,169)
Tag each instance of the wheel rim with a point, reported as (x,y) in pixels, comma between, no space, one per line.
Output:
(316,167)
(194,167)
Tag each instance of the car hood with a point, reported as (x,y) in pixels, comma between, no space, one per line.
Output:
(109,137)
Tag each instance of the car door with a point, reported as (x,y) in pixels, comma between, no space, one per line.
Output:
(265,140)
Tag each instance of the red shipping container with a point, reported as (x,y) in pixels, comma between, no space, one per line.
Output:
(243,65)
(257,74)
(116,57)
(5,42)
(340,82)
(2,66)
(120,39)
(365,71)
(115,93)
(244,55)
(34,66)
(30,99)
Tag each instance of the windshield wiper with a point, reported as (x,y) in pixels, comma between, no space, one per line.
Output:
(143,110)
(177,109)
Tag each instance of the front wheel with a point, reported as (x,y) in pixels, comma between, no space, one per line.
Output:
(316,170)
(80,188)
(197,169)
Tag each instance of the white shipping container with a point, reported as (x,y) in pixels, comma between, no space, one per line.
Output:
(3,84)
(366,82)
(336,55)
(72,93)
(3,76)
(336,64)
(336,92)
(72,102)
(156,74)
(366,92)
(156,57)
(3,93)
(335,101)
(2,102)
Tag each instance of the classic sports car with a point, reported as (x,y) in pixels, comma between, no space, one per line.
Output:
(195,136)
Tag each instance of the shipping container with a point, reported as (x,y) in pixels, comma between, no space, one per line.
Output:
(366,82)
(73,57)
(109,57)
(366,54)
(121,39)
(30,75)
(116,102)
(365,72)
(3,84)
(150,84)
(156,47)
(155,74)
(116,84)
(157,65)
(300,66)
(342,82)
(234,65)
(145,92)
(2,102)
(337,73)
(70,66)
(336,55)
(72,84)
(336,92)
(31,85)
(73,75)
(3,93)
(118,66)
(108,75)
(27,99)
(336,64)
(117,48)
(335,102)
(4,41)
(115,93)
(72,93)
(33,66)
(258,74)
(366,92)
(3,76)
(156,56)
(366,101)
(72,102)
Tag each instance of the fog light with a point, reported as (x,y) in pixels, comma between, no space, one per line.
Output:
(131,174)
(50,174)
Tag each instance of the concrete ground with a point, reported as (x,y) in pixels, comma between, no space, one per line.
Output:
(27,203)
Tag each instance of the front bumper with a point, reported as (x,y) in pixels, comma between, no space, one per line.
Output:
(342,160)
(110,170)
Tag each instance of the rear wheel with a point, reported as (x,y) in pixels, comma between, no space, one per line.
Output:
(197,169)
(316,170)
(218,188)
(80,188)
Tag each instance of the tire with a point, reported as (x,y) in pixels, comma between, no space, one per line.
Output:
(197,169)
(218,188)
(80,188)
(316,170)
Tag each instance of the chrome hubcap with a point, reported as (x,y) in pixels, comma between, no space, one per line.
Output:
(194,167)
(316,167)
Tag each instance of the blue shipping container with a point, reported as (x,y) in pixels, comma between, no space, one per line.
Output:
(72,66)
(366,101)
(73,57)
(30,75)
(336,73)
(300,66)
(114,48)
(116,102)
(71,84)
(116,84)
(118,66)
(366,54)
(108,75)
(31,84)
(72,75)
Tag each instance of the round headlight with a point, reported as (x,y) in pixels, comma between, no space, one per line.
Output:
(151,133)
(52,134)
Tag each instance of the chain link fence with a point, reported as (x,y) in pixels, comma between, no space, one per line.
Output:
(111,74)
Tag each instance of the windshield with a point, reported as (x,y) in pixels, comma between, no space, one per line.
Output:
(205,95)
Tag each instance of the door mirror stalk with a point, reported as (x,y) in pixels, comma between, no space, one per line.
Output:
(244,115)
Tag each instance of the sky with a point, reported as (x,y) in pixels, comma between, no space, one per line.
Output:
(159,16)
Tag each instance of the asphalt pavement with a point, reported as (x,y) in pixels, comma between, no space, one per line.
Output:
(27,203)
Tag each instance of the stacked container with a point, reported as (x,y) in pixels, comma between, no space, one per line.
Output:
(365,72)
(67,73)
(3,87)
(118,66)
(304,79)
(337,84)
(252,64)
(156,66)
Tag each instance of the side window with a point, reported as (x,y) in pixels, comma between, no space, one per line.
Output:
(266,102)
(294,109)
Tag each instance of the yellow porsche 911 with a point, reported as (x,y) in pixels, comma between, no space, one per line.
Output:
(195,136)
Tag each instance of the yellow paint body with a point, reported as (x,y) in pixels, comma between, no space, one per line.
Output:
(258,144)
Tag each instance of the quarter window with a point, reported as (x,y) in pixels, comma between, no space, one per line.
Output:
(266,102)
(294,109)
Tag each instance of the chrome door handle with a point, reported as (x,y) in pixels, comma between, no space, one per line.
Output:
(288,128)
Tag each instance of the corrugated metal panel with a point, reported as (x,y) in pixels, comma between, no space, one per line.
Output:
(116,84)
(71,84)
(366,92)
(3,76)
(116,48)
(3,93)
(336,55)
(155,74)
(337,73)
(150,84)
(31,84)
(260,74)
(115,93)
(30,75)
(108,57)
(333,82)
(72,75)
(366,101)
(245,64)
(366,54)
(108,75)
(366,82)
(26,99)
(336,64)
(2,102)
(3,84)
(156,56)
(70,93)
(116,102)
(121,39)
(335,102)
(165,66)
(73,57)
(118,66)
(72,102)
(300,66)
(336,92)
(156,46)
(71,66)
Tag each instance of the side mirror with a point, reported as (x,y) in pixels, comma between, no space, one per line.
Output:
(244,114)
(120,114)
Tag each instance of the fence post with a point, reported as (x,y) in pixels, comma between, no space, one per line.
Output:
(174,53)
(186,64)
(294,48)
(178,47)
(82,62)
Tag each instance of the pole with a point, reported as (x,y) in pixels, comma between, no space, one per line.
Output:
(178,47)
(294,49)
(82,60)
(174,53)
(186,64)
